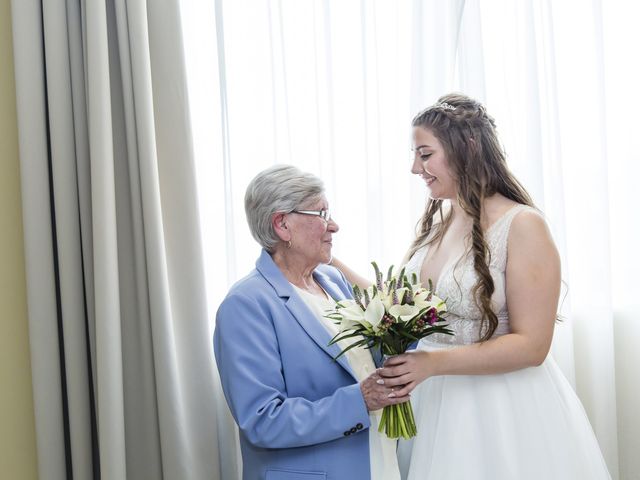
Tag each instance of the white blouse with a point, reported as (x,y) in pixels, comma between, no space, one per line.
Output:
(382,450)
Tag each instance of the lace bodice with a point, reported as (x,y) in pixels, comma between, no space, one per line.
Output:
(458,278)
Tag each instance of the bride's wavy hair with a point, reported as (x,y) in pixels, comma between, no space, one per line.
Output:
(478,164)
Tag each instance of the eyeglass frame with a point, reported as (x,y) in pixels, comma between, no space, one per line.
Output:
(324,214)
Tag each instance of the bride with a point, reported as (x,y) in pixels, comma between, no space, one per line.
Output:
(489,401)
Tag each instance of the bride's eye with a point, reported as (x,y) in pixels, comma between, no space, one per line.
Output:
(425,156)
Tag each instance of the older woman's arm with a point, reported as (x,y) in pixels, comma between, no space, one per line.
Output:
(248,358)
(352,277)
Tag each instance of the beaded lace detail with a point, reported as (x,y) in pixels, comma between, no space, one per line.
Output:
(458,278)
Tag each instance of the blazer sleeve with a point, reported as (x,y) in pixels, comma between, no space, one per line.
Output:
(247,355)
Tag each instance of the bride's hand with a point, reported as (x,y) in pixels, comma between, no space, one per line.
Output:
(405,371)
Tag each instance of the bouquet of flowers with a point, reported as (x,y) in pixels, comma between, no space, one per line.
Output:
(390,316)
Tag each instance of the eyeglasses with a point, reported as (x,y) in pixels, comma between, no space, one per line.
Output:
(323,214)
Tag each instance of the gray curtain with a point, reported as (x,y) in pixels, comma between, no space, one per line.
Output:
(121,353)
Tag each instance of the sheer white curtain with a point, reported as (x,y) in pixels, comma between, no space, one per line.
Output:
(332,86)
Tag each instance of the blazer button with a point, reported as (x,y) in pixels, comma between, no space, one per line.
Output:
(359,426)
(347,433)
(354,430)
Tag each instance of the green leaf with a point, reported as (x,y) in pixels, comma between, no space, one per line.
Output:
(342,336)
(408,335)
(353,345)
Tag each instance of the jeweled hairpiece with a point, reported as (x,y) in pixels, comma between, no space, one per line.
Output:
(445,105)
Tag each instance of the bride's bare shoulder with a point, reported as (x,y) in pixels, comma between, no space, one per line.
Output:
(495,207)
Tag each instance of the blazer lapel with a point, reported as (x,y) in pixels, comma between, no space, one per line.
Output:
(329,287)
(298,308)
(315,329)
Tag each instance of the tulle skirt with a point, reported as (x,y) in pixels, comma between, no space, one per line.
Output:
(527,424)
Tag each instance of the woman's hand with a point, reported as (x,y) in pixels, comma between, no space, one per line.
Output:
(378,395)
(404,372)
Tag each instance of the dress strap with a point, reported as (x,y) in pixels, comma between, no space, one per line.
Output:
(498,234)
(504,222)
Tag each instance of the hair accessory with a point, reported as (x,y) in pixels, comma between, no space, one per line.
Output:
(445,105)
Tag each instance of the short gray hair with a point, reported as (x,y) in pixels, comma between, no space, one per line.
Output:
(280,188)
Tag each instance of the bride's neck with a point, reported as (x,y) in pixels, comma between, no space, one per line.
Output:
(457,211)
(491,208)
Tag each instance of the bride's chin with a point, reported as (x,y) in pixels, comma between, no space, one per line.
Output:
(436,195)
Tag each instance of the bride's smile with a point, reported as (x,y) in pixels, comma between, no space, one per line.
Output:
(430,163)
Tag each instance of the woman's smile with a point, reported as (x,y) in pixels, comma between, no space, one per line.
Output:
(429,179)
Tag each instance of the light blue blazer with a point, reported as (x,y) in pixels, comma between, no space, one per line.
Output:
(301,414)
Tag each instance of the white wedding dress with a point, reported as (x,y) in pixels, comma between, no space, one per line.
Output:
(526,424)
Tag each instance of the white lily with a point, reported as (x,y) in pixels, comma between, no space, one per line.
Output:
(420,299)
(374,313)
(370,291)
(352,315)
(421,295)
(404,312)
(440,305)
(386,299)
(401,293)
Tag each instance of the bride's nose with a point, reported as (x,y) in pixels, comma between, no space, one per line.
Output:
(417,167)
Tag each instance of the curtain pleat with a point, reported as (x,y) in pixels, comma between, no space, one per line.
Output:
(72,328)
(123,370)
(131,127)
(41,291)
(191,345)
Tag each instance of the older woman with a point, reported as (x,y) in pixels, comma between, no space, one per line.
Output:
(301,414)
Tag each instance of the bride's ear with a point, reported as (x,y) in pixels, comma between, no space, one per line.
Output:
(279,224)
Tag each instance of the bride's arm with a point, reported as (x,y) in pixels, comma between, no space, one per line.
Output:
(533,291)
(352,277)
